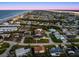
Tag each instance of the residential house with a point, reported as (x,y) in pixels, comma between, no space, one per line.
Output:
(39,49)
(39,32)
(55,51)
(22,52)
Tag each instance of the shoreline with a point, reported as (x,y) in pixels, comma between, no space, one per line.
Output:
(10,17)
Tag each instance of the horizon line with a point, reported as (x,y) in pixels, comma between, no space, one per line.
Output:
(39,8)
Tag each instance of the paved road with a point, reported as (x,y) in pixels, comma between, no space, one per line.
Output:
(25,44)
(22,40)
(5,54)
(50,41)
(32,44)
(14,43)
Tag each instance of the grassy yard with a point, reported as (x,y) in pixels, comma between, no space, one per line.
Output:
(3,47)
(36,41)
(29,40)
(43,41)
(74,40)
(32,40)
(49,46)
(69,45)
(54,39)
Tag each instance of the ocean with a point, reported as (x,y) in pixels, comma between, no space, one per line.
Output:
(5,14)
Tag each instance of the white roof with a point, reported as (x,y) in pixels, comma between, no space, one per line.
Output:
(52,30)
(71,52)
(29,22)
(77,37)
(21,51)
(6,23)
(39,29)
(8,28)
(62,37)
(59,36)
(54,54)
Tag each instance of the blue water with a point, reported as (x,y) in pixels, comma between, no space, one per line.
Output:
(8,13)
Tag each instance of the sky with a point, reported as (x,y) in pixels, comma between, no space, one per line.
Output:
(39,5)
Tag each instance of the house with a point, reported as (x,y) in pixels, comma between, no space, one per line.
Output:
(71,36)
(70,51)
(5,23)
(39,32)
(39,49)
(66,31)
(59,36)
(77,37)
(62,37)
(17,22)
(5,35)
(52,30)
(22,52)
(8,27)
(55,51)
(73,51)
(5,29)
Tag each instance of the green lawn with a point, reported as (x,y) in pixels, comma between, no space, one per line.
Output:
(32,40)
(43,41)
(74,40)
(36,41)
(49,46)
(3,47)
(69,45)
(54,39)
(29,41)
